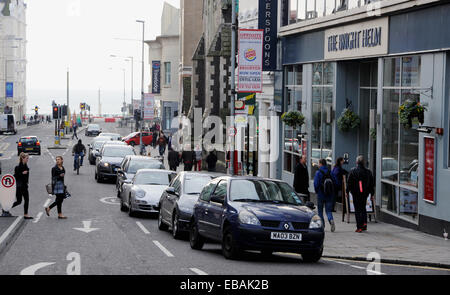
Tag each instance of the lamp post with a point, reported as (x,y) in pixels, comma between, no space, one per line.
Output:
(131,59)
(142,87)
(233,69)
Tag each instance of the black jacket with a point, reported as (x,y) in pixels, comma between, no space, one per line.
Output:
(301,179)
(357,174)
(21,179)
(173,158)
(187,157)
(78,148)
(211,159)
(56,174)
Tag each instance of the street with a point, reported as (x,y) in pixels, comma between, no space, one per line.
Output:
(97,238)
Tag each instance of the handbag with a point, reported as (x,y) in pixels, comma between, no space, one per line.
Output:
(49,188)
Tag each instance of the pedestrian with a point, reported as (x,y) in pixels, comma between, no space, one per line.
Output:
(154,138)
(75,127)
(162,141)
(211,160)
(301,178)
(187,157)
(59,189)
(21,174)
(198,158)
(360,184)
(338,173)
(173,159)
(324,184)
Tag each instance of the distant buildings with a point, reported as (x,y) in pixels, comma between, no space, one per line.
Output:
(13,56)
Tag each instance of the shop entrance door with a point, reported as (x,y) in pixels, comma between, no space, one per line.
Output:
(368,73)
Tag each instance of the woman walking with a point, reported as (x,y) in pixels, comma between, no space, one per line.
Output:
(59,188)
(338,173)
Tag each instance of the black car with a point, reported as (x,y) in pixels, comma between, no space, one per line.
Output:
(130,165)
(177,202)
(28,144)
(93,130)
(94,148)
(109,160)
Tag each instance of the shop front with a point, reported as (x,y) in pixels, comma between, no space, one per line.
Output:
(375,68)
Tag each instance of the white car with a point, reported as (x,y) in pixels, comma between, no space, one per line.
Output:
(142,193)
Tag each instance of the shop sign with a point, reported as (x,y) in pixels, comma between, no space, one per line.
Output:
(9,89)
(250,60)
(357,40)
(149,106)
(156,77)
(428,194)
(267,21)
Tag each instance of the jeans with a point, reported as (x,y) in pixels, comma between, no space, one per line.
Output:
(58,202)
(162,149)
(75,159)
(328,202)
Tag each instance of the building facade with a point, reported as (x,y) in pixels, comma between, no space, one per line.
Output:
(373,58)
(13,57)
(165,52)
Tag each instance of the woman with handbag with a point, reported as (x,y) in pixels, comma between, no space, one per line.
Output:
(59,189)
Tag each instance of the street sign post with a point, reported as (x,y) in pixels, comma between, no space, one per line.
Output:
(7,191)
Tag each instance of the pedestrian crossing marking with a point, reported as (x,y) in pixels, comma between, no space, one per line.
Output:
(4,146)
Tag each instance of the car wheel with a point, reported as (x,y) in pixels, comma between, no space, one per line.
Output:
(229,247)
(99,178)
(123,208)
(130,209)
(175,227)
(312,256)
(195,239)
(161,224)
(132,143)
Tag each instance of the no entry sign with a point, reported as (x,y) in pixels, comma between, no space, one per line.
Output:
(7,191)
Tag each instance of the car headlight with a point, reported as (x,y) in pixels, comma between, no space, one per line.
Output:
(140,194)
(105,164)
(246,217)
(316,222)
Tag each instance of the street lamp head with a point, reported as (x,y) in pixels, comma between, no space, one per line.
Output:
(140,21)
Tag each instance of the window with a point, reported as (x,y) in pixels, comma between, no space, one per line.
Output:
(322,121)
(400,148)
(205,195)
(294,101)
(167,73)
(221,190)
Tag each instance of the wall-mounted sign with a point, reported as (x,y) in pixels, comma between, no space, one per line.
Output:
(250,60)
(429,168)
(358,40)
(156,77)
(9,89)
(267,21)
(149,106)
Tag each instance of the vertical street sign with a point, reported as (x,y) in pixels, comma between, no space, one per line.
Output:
(7,191)
(250,60)
(149,106)
(156,77)
(9,89)
(267,21)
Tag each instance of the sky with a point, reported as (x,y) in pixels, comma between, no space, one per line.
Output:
(80,35)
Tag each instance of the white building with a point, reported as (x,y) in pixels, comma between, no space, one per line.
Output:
(166,50)
(13,55)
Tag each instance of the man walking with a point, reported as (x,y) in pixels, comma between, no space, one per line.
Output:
(360,184)
(301,178)
(211,160)
(324,184)
(75,127)
(174,159)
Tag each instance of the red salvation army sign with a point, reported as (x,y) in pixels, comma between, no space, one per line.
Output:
(250,60)
(7,191)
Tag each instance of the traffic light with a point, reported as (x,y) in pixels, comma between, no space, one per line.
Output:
(55,112)
(36,108)
(64,110)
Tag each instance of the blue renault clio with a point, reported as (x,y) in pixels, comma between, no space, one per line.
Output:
(252,213)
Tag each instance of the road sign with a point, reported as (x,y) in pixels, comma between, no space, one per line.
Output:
(7,191)
(232,131)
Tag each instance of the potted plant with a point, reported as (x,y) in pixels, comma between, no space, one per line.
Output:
(293,119)
(348,120)
(411,112)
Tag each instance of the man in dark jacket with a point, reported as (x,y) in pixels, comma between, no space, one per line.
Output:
(301,178)
(211,160)
(174,159)
(324,199)
(78,150)
(360,184)
(188,158)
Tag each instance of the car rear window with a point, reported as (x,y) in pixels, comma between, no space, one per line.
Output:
(117,151)
(135,165)
(28,140)
(194,185)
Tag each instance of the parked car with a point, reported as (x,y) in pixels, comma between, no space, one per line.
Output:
(109,159)
(93,130)
(252,213)
(113,136)
(177,201)
(142,193)
(134,138)
(130,165)
(8,123)
(28,144)
(94,148)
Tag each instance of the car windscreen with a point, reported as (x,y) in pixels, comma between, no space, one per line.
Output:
(251,190)
(132,135)
(152,178)
(135,165)
(28,140)
(98,144)
(93,127)
(117,151)
(195,184)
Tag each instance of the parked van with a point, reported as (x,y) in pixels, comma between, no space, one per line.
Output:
(8,124)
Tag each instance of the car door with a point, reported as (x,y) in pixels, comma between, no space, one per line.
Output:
(214,213)
(146,138)
(171,200)
(202,207)
(121,175)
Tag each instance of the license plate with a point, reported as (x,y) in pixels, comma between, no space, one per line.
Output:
(29,149)
(285,236)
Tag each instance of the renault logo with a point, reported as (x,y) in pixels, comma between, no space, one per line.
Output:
(286,226)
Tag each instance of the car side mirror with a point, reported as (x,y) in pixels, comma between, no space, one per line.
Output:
(216,199)
(310,205)
(171,191)
(127,181)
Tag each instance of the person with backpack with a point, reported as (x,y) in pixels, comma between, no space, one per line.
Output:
(360,184)
(324,183)
(339,172)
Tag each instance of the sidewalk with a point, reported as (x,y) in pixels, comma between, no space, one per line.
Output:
(394,244)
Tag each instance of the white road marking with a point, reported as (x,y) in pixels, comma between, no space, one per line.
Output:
(110,200)
(32,269)
(198,271)
(47,203)
(9,230)
(162,248)
(375,272)
(86,227)
(142,227)
(36,220)
(358,267)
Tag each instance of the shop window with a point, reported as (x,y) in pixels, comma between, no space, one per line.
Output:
(389,197)
(392,72)
(408,203)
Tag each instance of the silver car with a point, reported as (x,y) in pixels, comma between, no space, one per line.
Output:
(142,193)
